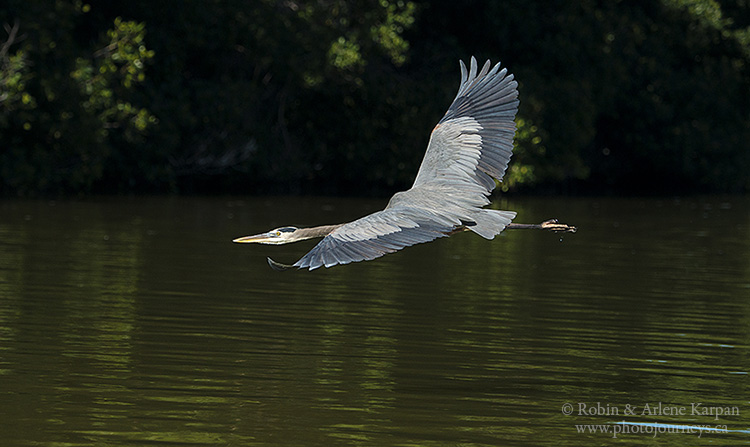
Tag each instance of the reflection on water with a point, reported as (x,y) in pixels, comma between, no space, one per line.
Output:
(137,322)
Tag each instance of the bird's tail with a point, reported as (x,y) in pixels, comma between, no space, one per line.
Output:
(489,223)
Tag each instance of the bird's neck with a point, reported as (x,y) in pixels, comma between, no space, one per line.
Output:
(313,232)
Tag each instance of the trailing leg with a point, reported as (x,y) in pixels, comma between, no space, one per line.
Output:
(550,225)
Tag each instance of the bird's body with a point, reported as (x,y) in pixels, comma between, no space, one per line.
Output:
(468,149)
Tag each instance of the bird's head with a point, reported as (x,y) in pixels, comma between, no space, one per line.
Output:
(278,236)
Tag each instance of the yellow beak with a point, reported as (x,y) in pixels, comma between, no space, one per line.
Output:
(263,238)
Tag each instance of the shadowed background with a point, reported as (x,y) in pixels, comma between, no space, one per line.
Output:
(338,97)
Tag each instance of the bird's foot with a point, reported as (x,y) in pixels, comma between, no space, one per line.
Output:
(556,227)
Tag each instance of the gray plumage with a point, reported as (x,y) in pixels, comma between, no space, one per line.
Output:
(470,146)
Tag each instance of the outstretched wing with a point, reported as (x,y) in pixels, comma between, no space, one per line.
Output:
(471,145)
(375,235)
(473,142)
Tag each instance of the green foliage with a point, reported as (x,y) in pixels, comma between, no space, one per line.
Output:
(528,144)
(344,54)
(14,74)
(337,96)
(65,107)
(388,34)
(630,96)
(104,81)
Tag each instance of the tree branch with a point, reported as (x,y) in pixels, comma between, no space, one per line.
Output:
(12,33)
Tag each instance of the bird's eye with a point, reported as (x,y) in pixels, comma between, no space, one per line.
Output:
(278,233)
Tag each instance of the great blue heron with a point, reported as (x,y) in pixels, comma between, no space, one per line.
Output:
(470,146)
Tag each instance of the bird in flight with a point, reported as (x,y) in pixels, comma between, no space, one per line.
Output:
(468,149)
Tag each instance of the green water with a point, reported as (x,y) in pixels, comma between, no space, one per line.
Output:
(128,322)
